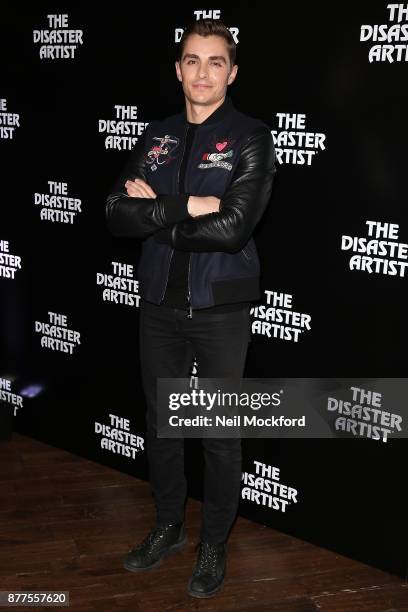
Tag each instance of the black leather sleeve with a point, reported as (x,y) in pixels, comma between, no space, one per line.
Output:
(241,206)
(140,217)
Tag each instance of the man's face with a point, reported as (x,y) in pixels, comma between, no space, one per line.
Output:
(205,69)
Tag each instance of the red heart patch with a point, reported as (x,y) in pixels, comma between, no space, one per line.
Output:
(221,145)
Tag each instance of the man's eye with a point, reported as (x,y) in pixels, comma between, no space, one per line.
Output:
(193,61)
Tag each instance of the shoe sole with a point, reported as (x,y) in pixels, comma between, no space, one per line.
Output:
(169,551)
(204,595)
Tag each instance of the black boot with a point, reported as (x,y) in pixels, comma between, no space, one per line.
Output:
(161,541)
(209,572)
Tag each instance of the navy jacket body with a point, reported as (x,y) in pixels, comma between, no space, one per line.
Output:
(233,158)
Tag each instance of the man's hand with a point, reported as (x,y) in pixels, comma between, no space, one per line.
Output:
(202,205)
(196,206)
(139,189)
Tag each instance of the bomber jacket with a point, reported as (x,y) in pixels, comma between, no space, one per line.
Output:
(232,158)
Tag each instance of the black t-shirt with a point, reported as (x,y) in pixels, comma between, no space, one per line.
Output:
(177,284)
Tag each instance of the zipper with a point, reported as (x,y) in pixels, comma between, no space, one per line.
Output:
(181,159)
(177,189)
(190,310)
(167,277)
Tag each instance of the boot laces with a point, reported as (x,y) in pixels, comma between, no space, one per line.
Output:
(153,537)
(207,558)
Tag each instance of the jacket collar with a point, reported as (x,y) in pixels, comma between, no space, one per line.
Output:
(217,115)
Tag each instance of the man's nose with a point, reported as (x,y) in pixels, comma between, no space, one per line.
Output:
(203,71)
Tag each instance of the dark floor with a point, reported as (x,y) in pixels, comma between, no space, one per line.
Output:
(66,523)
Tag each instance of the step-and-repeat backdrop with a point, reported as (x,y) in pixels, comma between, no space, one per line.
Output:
(78,87)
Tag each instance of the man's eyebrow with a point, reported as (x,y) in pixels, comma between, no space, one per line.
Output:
(211,57)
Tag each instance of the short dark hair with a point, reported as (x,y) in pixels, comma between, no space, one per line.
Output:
(209,27)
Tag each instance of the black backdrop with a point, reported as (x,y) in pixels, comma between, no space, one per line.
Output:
(294,59)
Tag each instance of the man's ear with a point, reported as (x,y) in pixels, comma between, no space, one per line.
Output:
(233,74)
(178,71)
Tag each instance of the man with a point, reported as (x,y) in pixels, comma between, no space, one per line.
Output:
(196,185)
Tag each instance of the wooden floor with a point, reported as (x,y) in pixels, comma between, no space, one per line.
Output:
(66,523)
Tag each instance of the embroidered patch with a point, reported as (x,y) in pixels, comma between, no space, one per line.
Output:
(160,153)
(217,158)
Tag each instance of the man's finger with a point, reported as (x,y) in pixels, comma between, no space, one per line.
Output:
(139,188)
(146,187)
(136,189)
(146,190)
(136,193)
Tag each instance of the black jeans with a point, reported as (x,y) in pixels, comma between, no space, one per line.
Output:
(168,342)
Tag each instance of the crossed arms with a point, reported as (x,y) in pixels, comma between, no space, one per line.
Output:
(194,223)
